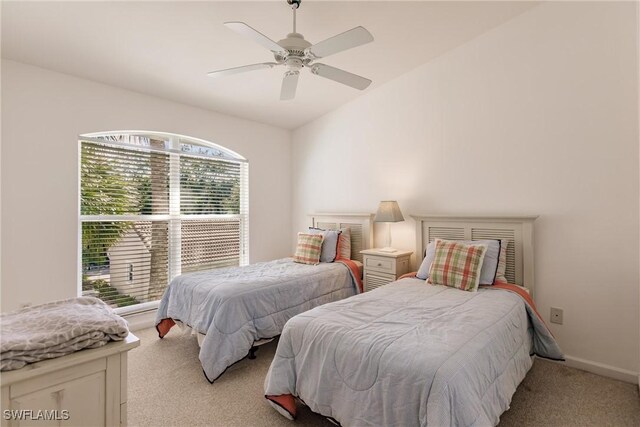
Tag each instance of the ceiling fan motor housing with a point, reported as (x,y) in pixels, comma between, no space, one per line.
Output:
(295,46)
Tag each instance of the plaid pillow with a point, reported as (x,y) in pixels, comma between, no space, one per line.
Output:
(308,248)
(457,265)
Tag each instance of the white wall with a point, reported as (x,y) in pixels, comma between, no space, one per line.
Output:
(43,113)
(537,116)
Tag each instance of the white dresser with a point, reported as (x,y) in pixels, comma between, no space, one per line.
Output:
(381,268)
(85,388)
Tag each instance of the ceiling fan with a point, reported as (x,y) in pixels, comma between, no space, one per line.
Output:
(295,53)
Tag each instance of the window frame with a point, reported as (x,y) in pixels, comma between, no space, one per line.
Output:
(174,217)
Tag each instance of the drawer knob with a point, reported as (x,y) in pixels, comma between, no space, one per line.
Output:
(379,264)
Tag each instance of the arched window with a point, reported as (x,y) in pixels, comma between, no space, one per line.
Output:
(155,205)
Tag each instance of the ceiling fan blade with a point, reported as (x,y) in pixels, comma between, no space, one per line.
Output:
(340,76)
(352,38)
(244,68)
(255,35)
(289,85)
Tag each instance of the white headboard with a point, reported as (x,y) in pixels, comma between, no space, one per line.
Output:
(361,226)
(518,229)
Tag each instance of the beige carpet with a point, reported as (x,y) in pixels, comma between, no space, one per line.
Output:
(167,388)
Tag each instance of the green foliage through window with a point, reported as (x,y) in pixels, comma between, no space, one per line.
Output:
(125,192)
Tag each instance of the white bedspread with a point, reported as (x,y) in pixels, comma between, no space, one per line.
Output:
(407,354)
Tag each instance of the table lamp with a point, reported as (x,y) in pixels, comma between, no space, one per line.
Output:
(388,212)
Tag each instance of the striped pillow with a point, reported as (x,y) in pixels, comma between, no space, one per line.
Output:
(457,265)
(502,262)
(344,244)
(308,248)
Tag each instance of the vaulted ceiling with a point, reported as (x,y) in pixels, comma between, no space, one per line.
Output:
(165,49)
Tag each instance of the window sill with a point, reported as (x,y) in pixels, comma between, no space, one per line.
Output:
(137,309)
(140,319)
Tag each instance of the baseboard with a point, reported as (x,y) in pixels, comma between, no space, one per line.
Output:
(602,369)
(143,320)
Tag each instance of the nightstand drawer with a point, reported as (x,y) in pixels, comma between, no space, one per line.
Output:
(385,265)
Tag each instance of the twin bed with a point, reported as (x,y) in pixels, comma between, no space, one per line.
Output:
(410,353)
(233,310)
(407,353)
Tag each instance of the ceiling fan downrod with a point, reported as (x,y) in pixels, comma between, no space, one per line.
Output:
(295,4)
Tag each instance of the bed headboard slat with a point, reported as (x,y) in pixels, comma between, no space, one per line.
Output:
(357,239)
(361,226)
(447,233)
(517,229)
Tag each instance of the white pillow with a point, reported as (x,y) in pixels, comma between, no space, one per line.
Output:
(329,243)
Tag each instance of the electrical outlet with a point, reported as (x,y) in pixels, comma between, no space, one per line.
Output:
(556,315)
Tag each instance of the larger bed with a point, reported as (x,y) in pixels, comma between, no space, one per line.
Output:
(233,309)
(410,353)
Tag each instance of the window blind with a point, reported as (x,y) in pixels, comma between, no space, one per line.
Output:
(208,244)
(152,208)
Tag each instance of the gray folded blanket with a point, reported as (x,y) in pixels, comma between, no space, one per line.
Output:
(56,329)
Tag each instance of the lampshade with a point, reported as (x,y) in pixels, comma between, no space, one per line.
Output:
(388,211)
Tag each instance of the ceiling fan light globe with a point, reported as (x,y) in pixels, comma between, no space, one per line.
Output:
(294,64)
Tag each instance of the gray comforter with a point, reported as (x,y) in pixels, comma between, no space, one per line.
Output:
(410,354)
(237,306)
(56,329)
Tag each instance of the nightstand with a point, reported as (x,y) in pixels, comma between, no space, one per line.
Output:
(381,268)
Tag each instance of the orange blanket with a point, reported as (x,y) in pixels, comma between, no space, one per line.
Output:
(355,272)
(521,292)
